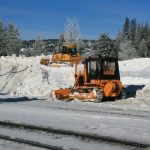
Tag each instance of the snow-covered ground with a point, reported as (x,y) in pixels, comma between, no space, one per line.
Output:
(24,76)
(25,86)
(133,128)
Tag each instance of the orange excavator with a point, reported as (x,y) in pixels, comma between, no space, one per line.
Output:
(67,55)
(96,78)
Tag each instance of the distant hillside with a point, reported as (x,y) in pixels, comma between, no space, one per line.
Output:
(29,43)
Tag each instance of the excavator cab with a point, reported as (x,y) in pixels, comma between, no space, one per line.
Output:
(96,79)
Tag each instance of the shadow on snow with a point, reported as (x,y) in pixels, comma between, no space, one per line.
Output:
(132,89)
(17,99)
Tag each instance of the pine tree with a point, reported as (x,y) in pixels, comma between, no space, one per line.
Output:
(116,48)
(133,29)
(146,29)
(126,28)
(12,39)
(105,45)
(137,39)
(118,40)
(148,46)
(61,40)
(143,49)
(139,36)
(2,40)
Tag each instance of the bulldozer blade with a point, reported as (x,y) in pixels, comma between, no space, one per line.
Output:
(44,61)
(66,94)
(59,64)
(60,94)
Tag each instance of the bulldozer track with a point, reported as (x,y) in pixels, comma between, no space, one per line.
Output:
(74,134)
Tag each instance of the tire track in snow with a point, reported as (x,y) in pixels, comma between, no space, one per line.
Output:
(73,134)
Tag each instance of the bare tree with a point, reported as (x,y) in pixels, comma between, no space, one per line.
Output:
(72,31)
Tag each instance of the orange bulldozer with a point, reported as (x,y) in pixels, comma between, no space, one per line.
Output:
(66,56)
(96,79)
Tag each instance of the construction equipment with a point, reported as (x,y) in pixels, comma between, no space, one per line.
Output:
(96,79)
(67,55)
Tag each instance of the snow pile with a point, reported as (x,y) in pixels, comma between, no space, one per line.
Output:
(24,76)
(145,92)
(34,82)
(135,74)
(135,71)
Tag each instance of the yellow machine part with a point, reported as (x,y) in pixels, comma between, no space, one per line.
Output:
(66,94)
(44,61)
(61,94)
(110,89)
(70,45)
(66,58)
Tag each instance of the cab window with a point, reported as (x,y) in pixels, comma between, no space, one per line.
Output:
(73,51)
(108,68)
(92,71)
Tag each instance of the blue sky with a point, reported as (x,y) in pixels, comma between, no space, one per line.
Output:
(46,18)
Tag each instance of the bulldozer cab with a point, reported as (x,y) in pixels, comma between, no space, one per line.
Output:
(66,54)
(69,49)
(102,69)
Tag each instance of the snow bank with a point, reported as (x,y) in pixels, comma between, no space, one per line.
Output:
(24,76)
(136,72)
(145,92)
